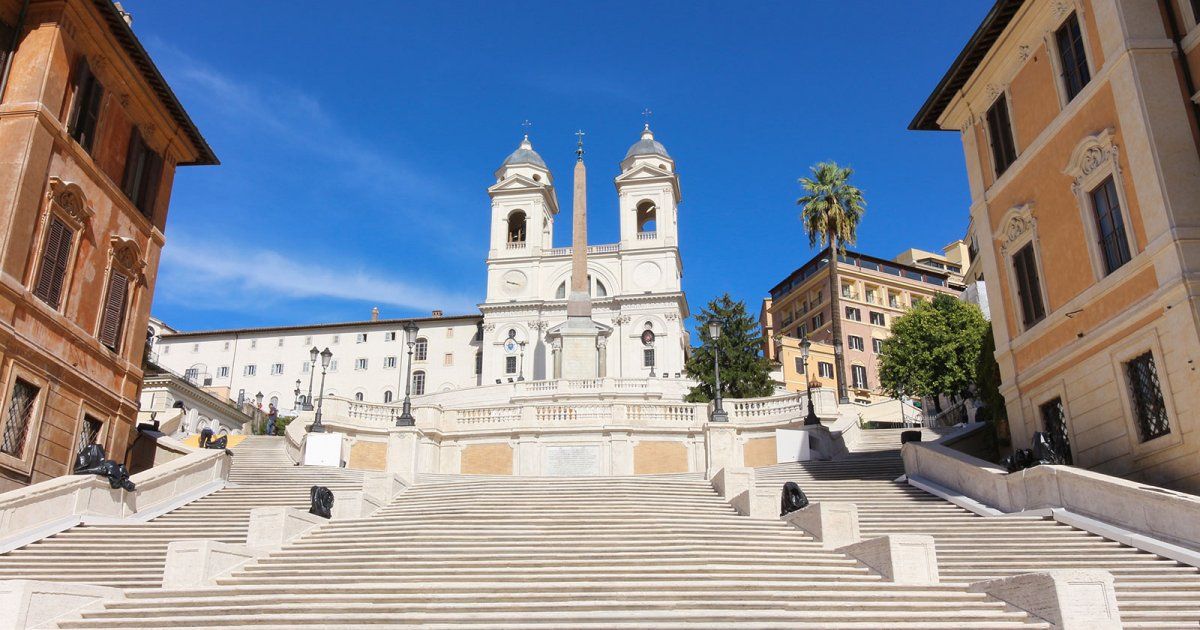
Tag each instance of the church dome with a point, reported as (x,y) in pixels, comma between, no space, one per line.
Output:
(524,155)
(647,146)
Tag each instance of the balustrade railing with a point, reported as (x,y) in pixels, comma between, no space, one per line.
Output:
(647,236)
(488,415)
(549,414)
(681,414)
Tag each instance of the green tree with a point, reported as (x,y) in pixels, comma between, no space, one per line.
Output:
(987,390)
(934,349)
(832,209)
(745,373)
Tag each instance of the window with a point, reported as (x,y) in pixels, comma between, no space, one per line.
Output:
(878,319)
(195,347)
(421,350)
(56,256)
(253,343)
(418,383)
(478,363)
(858,374)
(166,349)
(824,369)
(143,171)
(305,367)
(333,365)
(877,345)
(448,359)
(250,370)
(893,299)
(847,291)
(308,341)
(802,331)
(817,321)
(360,338)
(1071,55)
(336,338)
(855,342)
(22,403)
(516,227)
(1110,227)
(226,346)
(389,363)
(358,396)
(1004,149)
(112,318)
(648,357)
(1029,290)
(1149,408)
(800,369)
(191,374)
(89,95)
(360,364)
(510,365)
(389,336)
(387,395)
(280,344)
(853,314)
(276,369)
(449,333)
(89,433)
(1054,423)
(223,371)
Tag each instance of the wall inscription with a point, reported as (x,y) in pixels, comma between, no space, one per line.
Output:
(571,461)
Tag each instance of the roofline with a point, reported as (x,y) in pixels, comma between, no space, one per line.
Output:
(125,35)
(965,64)
(849,252)
(265,329)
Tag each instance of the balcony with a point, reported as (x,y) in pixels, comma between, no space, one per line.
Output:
(647,236)
(516,245)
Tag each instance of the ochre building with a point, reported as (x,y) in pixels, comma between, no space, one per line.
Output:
(90,136)
(1078,123)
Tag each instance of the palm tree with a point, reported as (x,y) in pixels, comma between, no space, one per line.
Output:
(832,208)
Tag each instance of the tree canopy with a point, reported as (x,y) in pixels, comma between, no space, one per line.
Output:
(934,349)
(832,207)
(745,373)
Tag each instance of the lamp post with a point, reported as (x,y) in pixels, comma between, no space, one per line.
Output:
(258,400)
(521,372)
(312,369)
(317,427)
(405,419)
(811,418)
(714,333)
(297,393)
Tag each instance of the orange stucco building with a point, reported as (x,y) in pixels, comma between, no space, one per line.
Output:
(1078,124)
(90,136)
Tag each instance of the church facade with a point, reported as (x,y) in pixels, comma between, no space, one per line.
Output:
(637,303)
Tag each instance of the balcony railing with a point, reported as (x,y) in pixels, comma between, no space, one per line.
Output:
(647,236)
(516,245)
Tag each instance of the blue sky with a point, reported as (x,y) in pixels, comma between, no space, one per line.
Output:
(358,139)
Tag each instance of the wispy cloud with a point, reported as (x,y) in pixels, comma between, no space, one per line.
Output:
(225,276)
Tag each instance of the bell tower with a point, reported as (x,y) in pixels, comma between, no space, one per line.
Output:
(649,195)
(523,205)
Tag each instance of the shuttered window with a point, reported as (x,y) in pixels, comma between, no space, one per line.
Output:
(1029,289)
(89,94)
(112,322)
(143,169)
(1071,54)
(56,255)
(1004,148)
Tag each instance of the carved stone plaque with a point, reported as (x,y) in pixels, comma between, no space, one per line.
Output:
(571,461)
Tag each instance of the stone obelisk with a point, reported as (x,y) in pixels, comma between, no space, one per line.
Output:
(580,356)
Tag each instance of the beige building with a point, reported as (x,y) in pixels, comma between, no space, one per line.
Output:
(91,136)
(1078,123)
(873,291)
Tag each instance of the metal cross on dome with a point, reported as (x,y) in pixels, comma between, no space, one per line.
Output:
(646,114)
(526,125)
(580,134)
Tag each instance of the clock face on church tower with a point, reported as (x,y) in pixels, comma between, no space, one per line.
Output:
(513,282)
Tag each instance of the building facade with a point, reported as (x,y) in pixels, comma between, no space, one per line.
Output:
(1078,123)
(92,135)
(873,292)
(635,286)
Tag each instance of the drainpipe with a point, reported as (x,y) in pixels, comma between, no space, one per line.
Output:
(1188,82)
(12,48)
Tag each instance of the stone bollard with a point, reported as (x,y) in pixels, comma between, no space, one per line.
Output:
(834,524)
(354,504)
(900,558)
(756,503)
(1070,599)
(37,604)
(730,481)
(271,527)
(196,563)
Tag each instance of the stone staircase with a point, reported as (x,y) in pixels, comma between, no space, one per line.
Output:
(133,555)
(1152,592)
(659,551)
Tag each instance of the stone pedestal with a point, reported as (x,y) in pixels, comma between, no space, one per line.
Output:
(323,449)
(580,358)
(722,449)
(354,504)
(833,524)
(196,563)
(1071,599)
(271,527)
(36,604)
(402,453)
(902,558)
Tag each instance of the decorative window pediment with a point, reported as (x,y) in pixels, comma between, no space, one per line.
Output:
(1017,227)
(127,256)
(1094,158)
(69,198)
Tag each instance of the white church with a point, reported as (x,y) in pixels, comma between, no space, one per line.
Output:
(637,307)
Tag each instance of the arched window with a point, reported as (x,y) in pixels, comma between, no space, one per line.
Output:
(597,289)
(600,290)
(387,395)
(421,349)
(275,402)
(646,214)
(561,292)
(516,227)
(358,396)
(418,382)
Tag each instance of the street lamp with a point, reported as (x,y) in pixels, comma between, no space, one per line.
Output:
(714,333)
(312,369)
(297,393)
(317,427)
(811,419)
(521,372)
(406,419)
(258,400)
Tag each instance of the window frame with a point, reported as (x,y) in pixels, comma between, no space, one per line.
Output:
(83,72)
(421,350)
(87,411)
(854,381)
(1050,40)
(67,203)
(23,465)
(1134,346)
(850,343)
(1093,161)
(424,381)
(1018,228)
(127,305)
(997,171)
